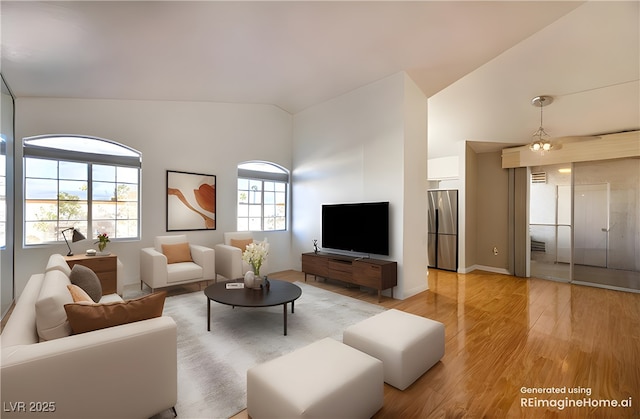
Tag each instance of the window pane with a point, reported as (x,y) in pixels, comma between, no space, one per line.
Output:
(104,191)
(269,211)
(255,197)
(281,223)
(33,210)
(127,211)
(71,189)
(104,210)
(127,229)
(269,224)
(255,210)
(126,192)
(105,173)
(243,184)
(71,170)
(281,187)
(255,185)
(104,226)
(41,168)
(269,198)
(255,224)
(127,175)
(243,224)
(269,186)
(72,211)
(281,198)
(243,197)
(40,232)
(243,210)
(41,189)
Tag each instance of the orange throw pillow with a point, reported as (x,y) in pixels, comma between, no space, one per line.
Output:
(175,253)
(241,243)
(88,317)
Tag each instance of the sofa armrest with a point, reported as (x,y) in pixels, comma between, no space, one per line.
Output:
(122,371)
(206,258)
(228,261)
(153,268)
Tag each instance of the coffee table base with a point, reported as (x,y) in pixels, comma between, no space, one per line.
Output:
(284,306)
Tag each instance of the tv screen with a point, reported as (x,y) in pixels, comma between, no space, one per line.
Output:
(357,227)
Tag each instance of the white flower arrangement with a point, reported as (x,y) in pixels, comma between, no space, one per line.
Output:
(255,254)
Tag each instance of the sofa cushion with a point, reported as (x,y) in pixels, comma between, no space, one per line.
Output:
(78,294)
(241,243)
(87,317)
(51,318)
(176,253)
(86,279)
(57,261)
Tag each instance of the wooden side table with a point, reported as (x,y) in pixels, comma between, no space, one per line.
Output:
(105,267)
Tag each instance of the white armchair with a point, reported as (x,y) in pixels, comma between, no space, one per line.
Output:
(157,272)
(229,263)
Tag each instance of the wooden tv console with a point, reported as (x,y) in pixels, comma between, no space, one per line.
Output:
(373,273)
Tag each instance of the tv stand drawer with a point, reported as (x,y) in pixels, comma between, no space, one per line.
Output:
(340,269)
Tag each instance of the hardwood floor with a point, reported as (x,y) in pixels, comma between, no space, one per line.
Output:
(505,335)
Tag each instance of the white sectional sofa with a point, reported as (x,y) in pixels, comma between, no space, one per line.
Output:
(126,371)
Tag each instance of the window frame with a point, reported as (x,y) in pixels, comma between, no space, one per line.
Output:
(278,174)
(119,156)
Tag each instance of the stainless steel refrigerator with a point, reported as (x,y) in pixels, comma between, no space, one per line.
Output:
(443,229)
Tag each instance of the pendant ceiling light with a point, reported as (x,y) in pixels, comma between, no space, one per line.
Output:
(541,141)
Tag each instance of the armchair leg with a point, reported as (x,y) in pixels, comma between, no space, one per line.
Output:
(175,414)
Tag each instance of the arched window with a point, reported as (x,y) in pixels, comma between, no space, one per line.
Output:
(88,183)
(262,196)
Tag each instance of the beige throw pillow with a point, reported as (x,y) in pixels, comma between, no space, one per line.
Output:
(88,317)
(175,253)
(241,243)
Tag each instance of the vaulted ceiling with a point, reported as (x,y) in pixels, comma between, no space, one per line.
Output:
(289,54)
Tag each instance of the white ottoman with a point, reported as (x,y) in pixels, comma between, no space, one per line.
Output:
(325,379)
(408,345)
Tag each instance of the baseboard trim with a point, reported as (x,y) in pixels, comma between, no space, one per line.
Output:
(492,269)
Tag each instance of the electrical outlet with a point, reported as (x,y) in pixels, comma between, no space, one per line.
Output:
(495,251)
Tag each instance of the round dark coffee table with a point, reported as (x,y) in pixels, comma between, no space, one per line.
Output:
(279,293)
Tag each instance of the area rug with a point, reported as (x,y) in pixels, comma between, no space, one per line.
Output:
(212,366)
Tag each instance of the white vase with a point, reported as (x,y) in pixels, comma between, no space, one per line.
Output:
(249,279)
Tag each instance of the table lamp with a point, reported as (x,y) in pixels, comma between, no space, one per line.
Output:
(77,236)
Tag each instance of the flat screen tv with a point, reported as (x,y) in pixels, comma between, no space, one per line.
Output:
(356,227)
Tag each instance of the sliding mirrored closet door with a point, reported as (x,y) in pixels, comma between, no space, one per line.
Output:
(584,223)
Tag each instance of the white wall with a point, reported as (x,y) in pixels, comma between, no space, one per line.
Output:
(588,60)
(350,149)
(210,138)
(414,266)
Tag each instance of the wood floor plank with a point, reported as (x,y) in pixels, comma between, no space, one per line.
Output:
(503,334)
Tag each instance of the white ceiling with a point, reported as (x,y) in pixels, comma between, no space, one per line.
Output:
(290,54)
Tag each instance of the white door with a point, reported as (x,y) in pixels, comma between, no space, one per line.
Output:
(591,224)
